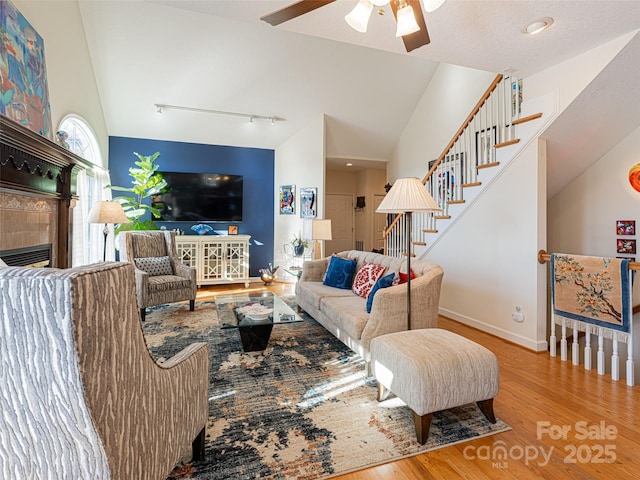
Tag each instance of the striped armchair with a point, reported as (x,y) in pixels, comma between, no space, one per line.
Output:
(80,396)
(160,276)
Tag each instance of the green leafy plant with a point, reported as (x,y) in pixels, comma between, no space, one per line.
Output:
(147,182)
(298,241)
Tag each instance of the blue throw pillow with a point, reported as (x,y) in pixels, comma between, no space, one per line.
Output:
(340,272)
(384,282)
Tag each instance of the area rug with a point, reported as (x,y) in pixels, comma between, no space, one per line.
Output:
(301,409)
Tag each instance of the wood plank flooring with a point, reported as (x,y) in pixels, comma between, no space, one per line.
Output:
(539,398)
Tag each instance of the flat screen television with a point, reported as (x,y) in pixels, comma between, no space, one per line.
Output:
(200,197)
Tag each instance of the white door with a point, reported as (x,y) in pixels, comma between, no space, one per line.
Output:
(339,208)
(379,223)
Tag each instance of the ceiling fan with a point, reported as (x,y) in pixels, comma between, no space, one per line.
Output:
(417,38)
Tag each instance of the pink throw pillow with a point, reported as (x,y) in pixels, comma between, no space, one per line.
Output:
(366,278)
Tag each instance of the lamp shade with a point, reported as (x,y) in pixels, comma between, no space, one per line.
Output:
(406,21)
(408,195)
(358,18)
(107,212)
(321,230)
(432,5)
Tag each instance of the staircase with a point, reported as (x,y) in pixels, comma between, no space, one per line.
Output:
(497,129)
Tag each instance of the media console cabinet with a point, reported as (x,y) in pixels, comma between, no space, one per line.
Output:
(217,258)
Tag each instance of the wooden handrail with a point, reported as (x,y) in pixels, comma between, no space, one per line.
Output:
(450,145)
(544,257)
(464,126)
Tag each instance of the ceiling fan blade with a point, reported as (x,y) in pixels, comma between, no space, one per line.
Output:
(419,38)
(294,10)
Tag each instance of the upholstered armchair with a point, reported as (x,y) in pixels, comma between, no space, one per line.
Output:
(80,396)
(160,276)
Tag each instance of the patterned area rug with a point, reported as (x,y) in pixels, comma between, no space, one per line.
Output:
(301,409)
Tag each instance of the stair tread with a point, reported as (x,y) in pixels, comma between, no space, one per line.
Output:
(454,202)
(507,143)
(427,230)
(527,119)
(442,217)
(422,244)
(472,184)
(488,165)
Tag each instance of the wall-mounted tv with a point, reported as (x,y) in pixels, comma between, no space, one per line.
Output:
(200,197)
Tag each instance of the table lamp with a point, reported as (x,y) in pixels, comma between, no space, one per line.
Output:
(320,230)
(408,195)
(106,212)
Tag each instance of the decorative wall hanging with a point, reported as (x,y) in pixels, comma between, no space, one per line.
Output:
(447,176)
(625,227)
(308,200)
(232,230)
(634,177)
(485,141)
(287,199)
(516,98)
(24,94)
(624,245)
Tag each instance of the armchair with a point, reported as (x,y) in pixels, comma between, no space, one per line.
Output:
(80,396)
(160,276)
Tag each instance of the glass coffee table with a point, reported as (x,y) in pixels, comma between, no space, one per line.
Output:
(254,315)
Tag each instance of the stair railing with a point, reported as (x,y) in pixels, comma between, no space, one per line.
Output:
(490,125)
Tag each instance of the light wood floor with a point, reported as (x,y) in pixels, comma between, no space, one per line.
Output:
(539,396)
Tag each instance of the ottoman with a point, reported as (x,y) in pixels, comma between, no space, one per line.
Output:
(433,369)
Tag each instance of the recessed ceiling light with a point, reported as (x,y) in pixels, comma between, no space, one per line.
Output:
(538,26)
(349,164)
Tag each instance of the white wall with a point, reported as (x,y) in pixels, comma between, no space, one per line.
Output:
(72,85)
(300,161)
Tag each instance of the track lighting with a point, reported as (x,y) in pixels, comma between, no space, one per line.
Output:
(160,107)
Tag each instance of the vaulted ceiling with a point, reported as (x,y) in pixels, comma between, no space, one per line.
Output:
(218,55)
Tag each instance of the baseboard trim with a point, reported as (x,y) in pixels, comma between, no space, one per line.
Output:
(496,331)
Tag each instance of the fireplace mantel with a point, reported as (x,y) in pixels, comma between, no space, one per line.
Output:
(34,165)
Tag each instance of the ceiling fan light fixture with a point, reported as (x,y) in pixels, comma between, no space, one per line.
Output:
(432,5)
(379,3)
(358,18)
(406,21)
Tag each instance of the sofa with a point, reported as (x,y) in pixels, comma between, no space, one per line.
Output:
(344,313)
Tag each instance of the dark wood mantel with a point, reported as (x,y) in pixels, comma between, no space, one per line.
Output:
(35,165)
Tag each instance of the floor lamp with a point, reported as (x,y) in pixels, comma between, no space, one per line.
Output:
(320,230)
(106,212)
(408,195)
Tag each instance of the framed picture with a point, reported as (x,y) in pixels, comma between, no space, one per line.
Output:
(631,259)
(625,245)
(446,178)
(485,143)
(25,93)
(287,199)
(625,227)
(516,98)
(233,229)
(308,202)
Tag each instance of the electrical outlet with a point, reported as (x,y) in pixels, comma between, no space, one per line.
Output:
(517,316)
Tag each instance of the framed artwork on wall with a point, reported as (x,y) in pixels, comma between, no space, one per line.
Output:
(625,227)
(625,245)
(24,94)
(232,230)
(485,143)
(287,199)
(308,202)
(446,178)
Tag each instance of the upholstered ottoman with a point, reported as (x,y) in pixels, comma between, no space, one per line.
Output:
(432,370)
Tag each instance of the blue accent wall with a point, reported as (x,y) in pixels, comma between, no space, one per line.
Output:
(255,164)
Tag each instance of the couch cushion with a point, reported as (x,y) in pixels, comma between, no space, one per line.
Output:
(312,292)
(155,265)
(384,282)
(366,278)
(163,283)
(340,272)
(347,313)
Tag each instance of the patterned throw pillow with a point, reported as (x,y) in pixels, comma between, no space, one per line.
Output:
(384,282)
(340,272)
(155,265)
(366,278)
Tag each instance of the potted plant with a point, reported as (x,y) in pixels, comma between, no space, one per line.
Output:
(299,244)
(146,183)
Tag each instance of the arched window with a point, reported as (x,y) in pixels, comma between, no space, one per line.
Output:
(77,135)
